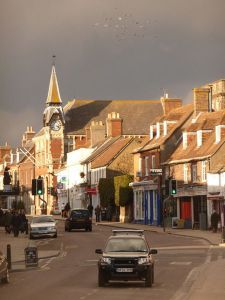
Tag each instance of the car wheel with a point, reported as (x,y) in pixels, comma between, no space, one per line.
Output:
(66,229)
(31,237)
(101,278)
(153,279)
(148,279)
(5,279)
(90,228)
(86,228)
(55,236)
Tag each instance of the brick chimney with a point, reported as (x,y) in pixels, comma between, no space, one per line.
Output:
(201,100)
(114,125)
(28,135)
(97,132)
(5,153)
(170,104)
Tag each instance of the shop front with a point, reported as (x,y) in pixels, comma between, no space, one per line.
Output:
(147,204)
(192,206)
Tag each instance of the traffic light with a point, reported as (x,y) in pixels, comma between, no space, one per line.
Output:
(34,187)
(173,187)
(37,186)
(167,187)
(40,186)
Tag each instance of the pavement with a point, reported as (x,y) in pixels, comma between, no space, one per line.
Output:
(18,245)
(203,288)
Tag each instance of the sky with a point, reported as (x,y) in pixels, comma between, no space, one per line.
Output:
(105,49)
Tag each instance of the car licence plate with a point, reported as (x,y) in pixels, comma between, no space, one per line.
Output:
(124,270)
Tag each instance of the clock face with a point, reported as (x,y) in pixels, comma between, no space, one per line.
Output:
(56,125)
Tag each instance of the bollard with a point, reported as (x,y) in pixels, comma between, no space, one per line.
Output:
(9,258)
(223,235)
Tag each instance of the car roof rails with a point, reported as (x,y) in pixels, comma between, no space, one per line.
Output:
(138,232)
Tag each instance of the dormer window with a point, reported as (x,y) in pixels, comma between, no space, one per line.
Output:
(157,130)
(151,132)
(185,140)
(218,133)
(199,138)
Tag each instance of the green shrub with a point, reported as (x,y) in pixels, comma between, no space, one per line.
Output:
(123,193)
(106,191)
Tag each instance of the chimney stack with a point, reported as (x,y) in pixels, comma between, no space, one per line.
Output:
(114,125)
(170,104)
(28,135)
(97,132)
(201,100)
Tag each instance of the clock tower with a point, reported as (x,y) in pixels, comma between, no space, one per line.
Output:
(54,122)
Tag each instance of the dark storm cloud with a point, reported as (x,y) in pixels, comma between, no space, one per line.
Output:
(105,49)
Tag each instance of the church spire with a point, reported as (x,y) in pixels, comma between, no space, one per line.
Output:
(53,90)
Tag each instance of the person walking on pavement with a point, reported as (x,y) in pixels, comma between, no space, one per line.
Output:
(215,217)
(23,222)
(16,222)
(8,222)
(66,210)
(90,209)
(97,213)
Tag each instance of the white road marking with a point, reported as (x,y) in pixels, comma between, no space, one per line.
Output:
(92,260)
(181,263)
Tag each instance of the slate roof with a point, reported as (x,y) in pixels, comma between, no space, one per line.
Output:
(136,114)
(180,115)
(111,152)
(208,147)
(100,148)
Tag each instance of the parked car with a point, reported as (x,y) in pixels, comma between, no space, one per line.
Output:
(126,256)
(43,226)
(79,219)
(4,271)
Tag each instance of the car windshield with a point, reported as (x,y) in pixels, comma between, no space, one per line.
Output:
(42,220)
(80,213)
(126,245)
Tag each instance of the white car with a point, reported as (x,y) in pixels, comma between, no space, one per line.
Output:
(43,225)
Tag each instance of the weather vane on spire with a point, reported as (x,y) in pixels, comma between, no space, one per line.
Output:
(53,59)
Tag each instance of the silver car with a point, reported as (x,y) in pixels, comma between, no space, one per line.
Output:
(42,226)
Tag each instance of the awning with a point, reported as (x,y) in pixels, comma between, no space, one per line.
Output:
(215,198)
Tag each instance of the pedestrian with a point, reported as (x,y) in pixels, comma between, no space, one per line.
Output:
(8,222)
(16,223)
(23,222)
(97,213)
(66,210)
(90,209)
(215,217)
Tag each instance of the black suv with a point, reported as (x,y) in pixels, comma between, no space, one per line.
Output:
(79,219)
(127,256)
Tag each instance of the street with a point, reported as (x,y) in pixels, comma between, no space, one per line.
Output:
(73,274)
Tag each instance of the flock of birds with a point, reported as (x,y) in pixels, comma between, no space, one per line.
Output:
(125,25)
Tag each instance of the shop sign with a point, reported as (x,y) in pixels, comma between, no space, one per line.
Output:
(155,171)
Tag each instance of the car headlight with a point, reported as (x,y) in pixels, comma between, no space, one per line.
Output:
(51,228)
(143,260)
(34,229)
(106,260)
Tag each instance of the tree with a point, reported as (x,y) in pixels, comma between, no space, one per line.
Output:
(123,193)
(106,191)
